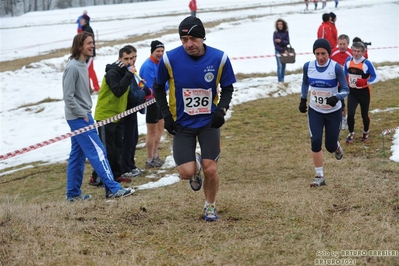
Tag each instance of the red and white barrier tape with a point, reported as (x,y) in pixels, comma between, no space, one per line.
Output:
(273,55)
(387,131)
(76,132)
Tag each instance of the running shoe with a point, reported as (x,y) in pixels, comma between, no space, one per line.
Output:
(339,152)
(196,181)
(350,137)
(210,213)
(318,181)
(159,161)
(123,192)
(135,172)
(78,198)
(154,164)
(365,136)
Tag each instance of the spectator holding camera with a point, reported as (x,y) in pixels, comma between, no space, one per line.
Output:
(360,73)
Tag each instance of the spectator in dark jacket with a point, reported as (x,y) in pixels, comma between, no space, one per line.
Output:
(114,98)
(281,39)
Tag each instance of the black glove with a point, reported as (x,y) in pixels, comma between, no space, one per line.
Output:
(302,106)
(170,125)
(332,101)
(217,118)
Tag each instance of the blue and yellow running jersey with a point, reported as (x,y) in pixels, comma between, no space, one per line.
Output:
(194,84)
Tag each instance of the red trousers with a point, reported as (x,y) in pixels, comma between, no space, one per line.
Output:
(92,75)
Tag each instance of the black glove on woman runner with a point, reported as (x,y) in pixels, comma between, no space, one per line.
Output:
(170,125)
(217,118)
(302,106)
(332,101)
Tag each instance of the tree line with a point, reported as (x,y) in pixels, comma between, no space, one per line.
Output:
(11,8)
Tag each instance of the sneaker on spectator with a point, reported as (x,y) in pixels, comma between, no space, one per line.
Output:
(159,160)
(210,213)
(365,136)
(95,181)
(153,164)
(135,172)
(196,180)
(78,198)
(339,152)
(149,165)
(318,181)
(123,192)
(350,137)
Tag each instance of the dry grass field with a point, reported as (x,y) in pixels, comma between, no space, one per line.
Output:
(268,213)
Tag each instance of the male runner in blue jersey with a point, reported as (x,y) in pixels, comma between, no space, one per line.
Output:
(194,72)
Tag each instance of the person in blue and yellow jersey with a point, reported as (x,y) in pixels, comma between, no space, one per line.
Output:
(360,73)
(195,110)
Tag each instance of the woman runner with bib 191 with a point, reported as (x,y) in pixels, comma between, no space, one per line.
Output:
(322,77)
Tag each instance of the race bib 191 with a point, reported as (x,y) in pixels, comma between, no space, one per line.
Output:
(319,99)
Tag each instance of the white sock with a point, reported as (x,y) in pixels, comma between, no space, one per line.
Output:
(319,171)
(149,160)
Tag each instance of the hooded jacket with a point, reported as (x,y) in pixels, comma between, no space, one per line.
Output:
(114,92)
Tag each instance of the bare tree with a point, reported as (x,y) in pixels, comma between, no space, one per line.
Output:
(47,4)
(9,7)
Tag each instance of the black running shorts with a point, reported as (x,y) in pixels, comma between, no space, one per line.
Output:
(153,114)
(185,143)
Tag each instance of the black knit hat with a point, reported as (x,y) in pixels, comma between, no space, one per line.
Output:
(156,44)
(322,43)
(192,26)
